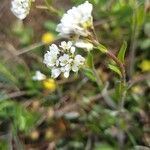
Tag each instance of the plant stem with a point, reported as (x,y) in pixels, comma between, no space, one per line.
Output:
(103,89)
(50,8)
(123,91)
(118,62)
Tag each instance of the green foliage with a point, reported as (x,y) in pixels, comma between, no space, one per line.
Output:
(49,25)
(6,73)
(145,44)
(3,145)
(25,34)
(23,120)
(103,146)
(90,60)
(115,69)
(89,74)
(102,48)
(140,15)
(122,51)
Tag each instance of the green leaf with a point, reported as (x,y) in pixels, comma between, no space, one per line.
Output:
(49,2)
(103,146)
(7,73)
(90,60)
(4,144)
(102,48)
(122,52)
(115,69)
(140,15)
(23,120)
(49,25)
(89,74)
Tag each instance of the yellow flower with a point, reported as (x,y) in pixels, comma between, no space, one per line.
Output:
(145,65)
(34,135)
(49,84)
(48,38)
(137,89)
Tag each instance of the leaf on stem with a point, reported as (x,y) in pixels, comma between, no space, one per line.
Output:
(140,15)
(89,74)
(122,52)
(7,73)
(102,48)
(90,60)
(115,69)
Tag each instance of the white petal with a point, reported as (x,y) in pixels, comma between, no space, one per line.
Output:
(72,50)
(84,45)
(55,72)
(79,60)
(68,67)
(66,74)
(39,76)
(75,68)
(54,49)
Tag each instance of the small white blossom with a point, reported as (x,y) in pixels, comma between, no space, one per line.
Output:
(76,21)
(50,58)
(39,76)
(84,45)
(63,59)
(66,45)
(20,8)
(55,72)
(78,61)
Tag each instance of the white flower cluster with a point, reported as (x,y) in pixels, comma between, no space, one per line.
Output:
(20,8)
(76,21)
(63,59)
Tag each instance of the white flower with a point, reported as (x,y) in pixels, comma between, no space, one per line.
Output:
(76,21)
(20,8)
(84,45)
(55,72)
(54,49)
(50,58)
(78,61)
(39,76)
(66,45)
(63,59)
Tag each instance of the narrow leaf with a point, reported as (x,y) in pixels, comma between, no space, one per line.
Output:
(7,73)
(122,52)
(140,16)
(89,74)
(90,60)
(114,69)
(102,48)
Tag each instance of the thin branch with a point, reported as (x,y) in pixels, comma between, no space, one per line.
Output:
(31,47)
(141,78)
(14,95)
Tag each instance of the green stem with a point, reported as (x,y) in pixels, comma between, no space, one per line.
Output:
(123,88)
(50,8)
